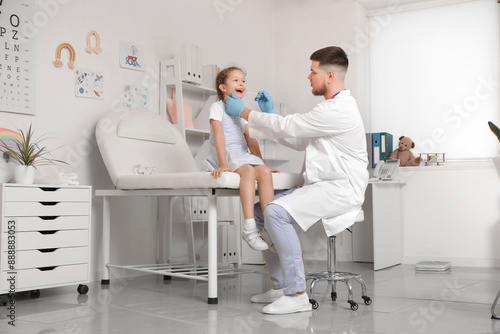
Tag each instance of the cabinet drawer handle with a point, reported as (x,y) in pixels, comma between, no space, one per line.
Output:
(47,250)
(48,189)
(48,232)
(48,217)
(48,203)
(47,268)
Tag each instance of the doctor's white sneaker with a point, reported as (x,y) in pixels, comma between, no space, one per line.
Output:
(268,297)
(289,304)
(254,240)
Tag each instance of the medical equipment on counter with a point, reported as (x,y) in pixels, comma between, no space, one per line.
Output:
(386,170)
(150,140)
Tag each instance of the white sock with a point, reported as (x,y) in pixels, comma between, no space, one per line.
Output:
(250,224)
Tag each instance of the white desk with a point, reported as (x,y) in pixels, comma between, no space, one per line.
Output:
(378,238)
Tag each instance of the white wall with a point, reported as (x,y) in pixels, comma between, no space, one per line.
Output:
(273,41)
(161,27)
(303,27)
(449,213)
(452,213)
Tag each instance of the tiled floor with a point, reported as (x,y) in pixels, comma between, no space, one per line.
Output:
(404,302)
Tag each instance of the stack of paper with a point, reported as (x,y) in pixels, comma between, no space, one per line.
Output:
(432,266)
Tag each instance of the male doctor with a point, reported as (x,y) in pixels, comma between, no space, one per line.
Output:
(335,174)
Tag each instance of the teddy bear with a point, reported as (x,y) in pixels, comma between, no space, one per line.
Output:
(406,158)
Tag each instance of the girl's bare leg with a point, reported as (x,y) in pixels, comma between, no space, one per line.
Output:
(247,195)
(264,179)
(247,189)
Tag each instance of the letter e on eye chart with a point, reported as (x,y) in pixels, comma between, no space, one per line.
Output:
(17,57)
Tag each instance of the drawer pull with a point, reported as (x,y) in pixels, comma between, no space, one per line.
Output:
(48,203)
(48,217)
(48,232)
(47,250)
(47,268)
(48,189)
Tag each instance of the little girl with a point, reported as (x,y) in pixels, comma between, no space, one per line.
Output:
(229,151)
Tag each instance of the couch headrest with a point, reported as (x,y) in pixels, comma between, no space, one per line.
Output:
(145,126)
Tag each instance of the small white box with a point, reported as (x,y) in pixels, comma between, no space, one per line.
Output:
(232,244)
(208,75)
(194,208)
(432,266)
(190,59)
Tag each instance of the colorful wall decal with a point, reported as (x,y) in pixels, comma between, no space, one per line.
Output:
(89,83)
(135,96)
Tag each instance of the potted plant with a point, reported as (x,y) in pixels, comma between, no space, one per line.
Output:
(496,131)
(28,153)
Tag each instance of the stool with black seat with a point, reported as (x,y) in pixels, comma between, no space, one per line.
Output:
(333,276)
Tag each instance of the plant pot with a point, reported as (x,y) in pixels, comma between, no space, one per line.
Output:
(24,174)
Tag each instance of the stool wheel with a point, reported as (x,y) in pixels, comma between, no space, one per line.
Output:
(314,303)
(354,305)
(334,296)
(368,300)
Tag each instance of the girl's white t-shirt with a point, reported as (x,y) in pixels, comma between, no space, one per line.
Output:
(216,112)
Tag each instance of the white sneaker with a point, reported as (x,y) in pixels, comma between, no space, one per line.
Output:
(289,304)
(254,240)
(267,237)
(268,297)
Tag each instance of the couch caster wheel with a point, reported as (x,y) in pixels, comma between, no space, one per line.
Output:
(35,294)
(4,299)
(82,289)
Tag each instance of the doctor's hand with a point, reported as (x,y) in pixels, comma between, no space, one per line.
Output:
(216,173)
(234,105)
(265,102)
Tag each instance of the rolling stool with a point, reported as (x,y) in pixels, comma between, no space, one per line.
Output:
(333,276)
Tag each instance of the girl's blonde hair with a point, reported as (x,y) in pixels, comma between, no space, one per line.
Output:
(221,79)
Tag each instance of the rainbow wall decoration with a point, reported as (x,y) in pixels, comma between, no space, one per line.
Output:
(10,137)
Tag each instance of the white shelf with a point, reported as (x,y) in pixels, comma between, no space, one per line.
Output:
(196,132)
(190,87)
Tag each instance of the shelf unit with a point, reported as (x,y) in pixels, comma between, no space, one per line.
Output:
(170,77)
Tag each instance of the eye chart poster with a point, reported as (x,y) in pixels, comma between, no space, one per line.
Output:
(17,57)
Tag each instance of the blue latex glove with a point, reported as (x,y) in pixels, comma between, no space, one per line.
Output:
(265,102)
(234,105)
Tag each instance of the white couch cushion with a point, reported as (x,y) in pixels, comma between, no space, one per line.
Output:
(203,180)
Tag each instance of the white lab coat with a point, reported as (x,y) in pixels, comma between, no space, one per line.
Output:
(335,165)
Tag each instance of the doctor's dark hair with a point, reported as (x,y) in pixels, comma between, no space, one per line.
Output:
(331,56)
(222,77)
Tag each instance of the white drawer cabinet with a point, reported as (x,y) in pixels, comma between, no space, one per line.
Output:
(44,237)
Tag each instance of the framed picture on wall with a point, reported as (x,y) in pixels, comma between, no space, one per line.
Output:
(17,54)
(131,56)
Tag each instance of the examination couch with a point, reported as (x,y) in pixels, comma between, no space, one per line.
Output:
(145,155)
